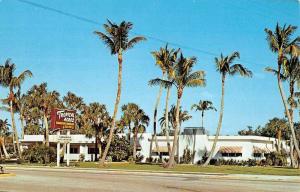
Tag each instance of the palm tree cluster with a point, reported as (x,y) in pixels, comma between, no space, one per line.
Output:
(182,75)
(177,72)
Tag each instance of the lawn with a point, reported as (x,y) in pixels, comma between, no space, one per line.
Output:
(197,169)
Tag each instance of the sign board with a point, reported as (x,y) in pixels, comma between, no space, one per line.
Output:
(64,138)
(63,119)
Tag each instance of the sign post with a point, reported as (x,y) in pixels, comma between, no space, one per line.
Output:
(58,150)
(63,119)
(68,149)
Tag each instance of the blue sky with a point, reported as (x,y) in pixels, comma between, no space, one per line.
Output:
(65,53)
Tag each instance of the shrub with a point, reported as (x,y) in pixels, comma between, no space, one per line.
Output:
(120,149)
(39,153)
(81,157)
(276,159)
(139,158)
(2,160)
(149,159)
(187,156)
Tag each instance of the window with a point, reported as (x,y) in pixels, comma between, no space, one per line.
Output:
(92,151)
(74,150)
(161,153)
(231,154)
(257,154)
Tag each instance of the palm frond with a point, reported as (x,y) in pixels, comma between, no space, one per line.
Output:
(160,82)
(275,72)
(238,68)
(107,41)
(233,56)
(134,41)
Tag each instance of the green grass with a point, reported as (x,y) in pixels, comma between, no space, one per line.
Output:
(197,169)
(225,169)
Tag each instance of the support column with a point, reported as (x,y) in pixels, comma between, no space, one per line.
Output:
(58,150)
(68,149)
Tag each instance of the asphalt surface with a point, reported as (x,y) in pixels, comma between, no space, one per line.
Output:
(94,180)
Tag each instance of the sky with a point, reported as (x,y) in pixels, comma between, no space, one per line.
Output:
(63,51)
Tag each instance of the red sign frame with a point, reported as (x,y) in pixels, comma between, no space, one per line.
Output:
(63,119)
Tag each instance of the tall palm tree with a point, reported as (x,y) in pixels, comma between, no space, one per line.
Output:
(183,77)
(116,38)
(14,83)
(226,67)
(280,42)
(164,59)
(291,74)
(203,106)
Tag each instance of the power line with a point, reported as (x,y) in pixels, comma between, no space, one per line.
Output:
(87,20)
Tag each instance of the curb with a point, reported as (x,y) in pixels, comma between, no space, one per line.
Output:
(7,175)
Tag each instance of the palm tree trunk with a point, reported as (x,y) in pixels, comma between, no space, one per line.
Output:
(279,140)
(46,129)
(219,123)
(13,142)
(15,132)
(96,147)
(167,121)
(4,149)
(292,118)
(194,146)
(202,116)
(283,98)
(135,142)
(1,153)
(171,162)
(22,126)
(129,134)
(111,131)
(293,164)
(154,137)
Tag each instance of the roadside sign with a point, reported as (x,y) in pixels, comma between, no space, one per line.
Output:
(63,119)
(64,138)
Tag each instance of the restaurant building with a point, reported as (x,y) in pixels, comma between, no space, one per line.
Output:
(228,147)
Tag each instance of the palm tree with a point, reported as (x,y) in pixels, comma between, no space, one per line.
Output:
(96,121)
(44,101)
(280,42)
(14,83)
(203,106)
(4,132)
(226,67)
(116,38)
(183,116)
(128,116)
(141,121)
(165,59)
(73,102)
(183,77)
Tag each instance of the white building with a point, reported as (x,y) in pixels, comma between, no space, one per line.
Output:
(228,147)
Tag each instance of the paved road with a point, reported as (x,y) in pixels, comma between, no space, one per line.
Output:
(88,180)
